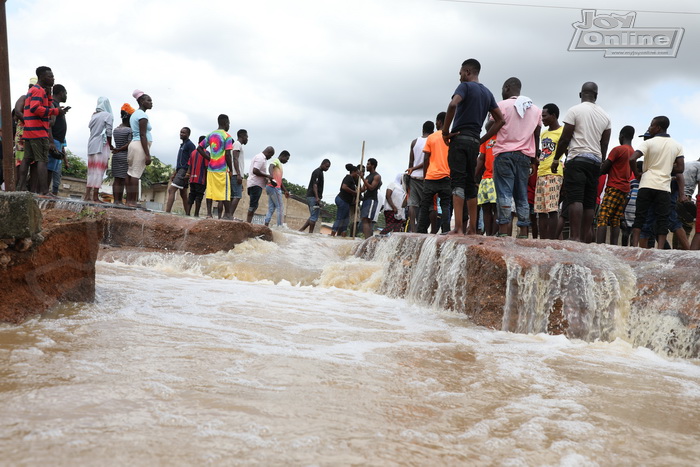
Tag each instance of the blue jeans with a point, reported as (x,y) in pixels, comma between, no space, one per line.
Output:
(314,209)
(510,173)
(55,166)
(274,201)
(342,215)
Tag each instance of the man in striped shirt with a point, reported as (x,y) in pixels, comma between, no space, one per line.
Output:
(38,108)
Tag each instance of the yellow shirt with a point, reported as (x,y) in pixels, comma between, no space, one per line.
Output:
(549,139)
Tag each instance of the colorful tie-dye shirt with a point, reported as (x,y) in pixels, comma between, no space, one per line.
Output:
(218,142)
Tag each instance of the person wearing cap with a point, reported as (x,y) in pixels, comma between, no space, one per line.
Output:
(139,152)
(122,138)
(38,108)
(663,157)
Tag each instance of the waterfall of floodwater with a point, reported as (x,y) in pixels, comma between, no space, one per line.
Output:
(593,292)
(298,352)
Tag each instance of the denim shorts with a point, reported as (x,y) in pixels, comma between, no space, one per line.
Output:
(236,188)
(314,209)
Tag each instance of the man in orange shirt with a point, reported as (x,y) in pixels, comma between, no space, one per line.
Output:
(437,178)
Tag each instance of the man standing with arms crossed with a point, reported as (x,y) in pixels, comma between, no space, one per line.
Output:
(586,135)
(470,103)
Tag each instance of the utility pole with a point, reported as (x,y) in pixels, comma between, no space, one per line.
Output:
(8,159)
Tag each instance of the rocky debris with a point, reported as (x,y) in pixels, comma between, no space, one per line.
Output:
(20,214)
(35,276)
(166,232)
(154,230)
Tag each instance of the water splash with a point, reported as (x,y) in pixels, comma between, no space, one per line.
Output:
(62,204)
(590,292)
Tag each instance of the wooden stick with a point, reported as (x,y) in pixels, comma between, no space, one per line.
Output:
(357,195)
(6,104)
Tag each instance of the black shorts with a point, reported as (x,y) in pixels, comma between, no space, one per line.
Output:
(197,191)
(657,200)
(581,182)
(254,192)
(461,157)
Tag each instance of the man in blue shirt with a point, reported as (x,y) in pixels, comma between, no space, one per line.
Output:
(178,181)
(470,104)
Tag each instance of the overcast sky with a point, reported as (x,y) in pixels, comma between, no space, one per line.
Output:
(319,77)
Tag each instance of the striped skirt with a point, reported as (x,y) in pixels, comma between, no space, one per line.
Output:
(120,165)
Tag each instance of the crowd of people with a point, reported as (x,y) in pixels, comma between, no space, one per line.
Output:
(516,169)
(212,170)
(544,173)
(526,165)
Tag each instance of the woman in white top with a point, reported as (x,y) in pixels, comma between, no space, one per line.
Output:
(139,151)
(99,148)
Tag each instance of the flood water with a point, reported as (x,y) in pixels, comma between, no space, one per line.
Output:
(285,354)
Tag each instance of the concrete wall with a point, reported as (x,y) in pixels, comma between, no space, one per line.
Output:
(295,212)
(155,196)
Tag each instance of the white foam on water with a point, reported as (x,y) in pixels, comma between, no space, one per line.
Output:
(302,372)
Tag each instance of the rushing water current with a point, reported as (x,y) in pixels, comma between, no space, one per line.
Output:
(285,353)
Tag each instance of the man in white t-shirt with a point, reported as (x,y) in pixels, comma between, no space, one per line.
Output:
(586,136)
(238,169)
(257,179)
(416,172)
(663,157)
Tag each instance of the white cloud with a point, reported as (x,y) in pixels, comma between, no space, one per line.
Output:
(317,77)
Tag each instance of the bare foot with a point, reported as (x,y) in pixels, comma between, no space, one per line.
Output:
(455,232)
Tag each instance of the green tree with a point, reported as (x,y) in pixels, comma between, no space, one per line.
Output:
(294,189)
(332,210)
(76,166)
(157,172)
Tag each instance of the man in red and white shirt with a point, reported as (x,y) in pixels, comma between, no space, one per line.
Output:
(38,108)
